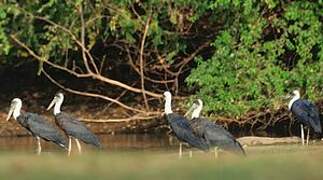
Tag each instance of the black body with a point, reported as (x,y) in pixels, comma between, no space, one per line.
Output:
(307,114)
(74,128)
(216,135)
(184,132)
(39,127)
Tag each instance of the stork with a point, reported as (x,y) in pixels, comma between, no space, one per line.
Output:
(36,124)
(182,128)
(215,135)
(306,113)
(72,127)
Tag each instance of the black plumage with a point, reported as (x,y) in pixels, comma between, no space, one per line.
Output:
(307,114)
(215,135)
(184,132)
(39,127)
(74,128)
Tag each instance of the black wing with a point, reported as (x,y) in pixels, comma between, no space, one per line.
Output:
(40,127)
(216,135)
(77,129)
(184,132)
(307,113)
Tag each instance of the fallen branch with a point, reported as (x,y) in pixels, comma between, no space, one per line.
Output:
(120,120)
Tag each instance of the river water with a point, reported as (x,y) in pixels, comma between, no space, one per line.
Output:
(118,142)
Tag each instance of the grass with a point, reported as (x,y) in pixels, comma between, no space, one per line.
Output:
(263,162)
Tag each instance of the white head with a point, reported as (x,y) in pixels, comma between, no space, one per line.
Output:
(197,111)
(196,108)
(168,102)
(296,95)
(58,101)
(15,108)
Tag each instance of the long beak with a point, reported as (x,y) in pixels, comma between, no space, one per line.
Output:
(10,113)
(51,104)
(190,110)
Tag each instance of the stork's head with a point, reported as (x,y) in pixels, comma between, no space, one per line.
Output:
(296,93)
(295,96)
(196,108)
(167,95)
(168,99)
(15,108)
(57,101)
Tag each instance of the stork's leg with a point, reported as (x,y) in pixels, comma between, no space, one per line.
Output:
(216,152)
(78,145)
(180,151)
(38,145)
(191,154)
(308,136)
(69,145)
(302,134)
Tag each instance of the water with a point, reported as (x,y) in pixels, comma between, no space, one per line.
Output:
(118,142)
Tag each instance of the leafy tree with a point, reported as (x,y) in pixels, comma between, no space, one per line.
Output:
(268,50)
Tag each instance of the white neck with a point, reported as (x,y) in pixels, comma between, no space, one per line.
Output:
(16,110)
(197,111)
(168,105)
(57,107)
(291,102)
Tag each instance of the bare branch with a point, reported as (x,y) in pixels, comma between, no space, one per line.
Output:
(90,94)
(94,76)
(121,119)
(80,10)
(142,46)
(33,54)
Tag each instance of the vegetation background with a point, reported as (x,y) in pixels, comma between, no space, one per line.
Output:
(239,57)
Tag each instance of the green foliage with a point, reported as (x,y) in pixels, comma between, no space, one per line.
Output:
(266,52)
(260,49)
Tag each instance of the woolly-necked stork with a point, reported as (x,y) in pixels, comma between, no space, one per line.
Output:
(36,124)
(215,135)
(72,126)
(306,113)
(182,128)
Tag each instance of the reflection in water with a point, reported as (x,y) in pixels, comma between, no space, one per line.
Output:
(118,142)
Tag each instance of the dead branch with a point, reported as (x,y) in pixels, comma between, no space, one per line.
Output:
(90,94)
(92,75)
(138,71)
(85,61)
(121,119)
(142,61)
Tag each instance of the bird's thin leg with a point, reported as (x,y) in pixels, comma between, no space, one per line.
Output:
(191,154)
(69,146)
(308,136)
(216,152)
(38,146)
(78,145)
(180,150)
(302,134)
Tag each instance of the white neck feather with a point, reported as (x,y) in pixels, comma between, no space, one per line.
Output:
(57,107)
(16,111)
(291,102)
(196,113)
(168,105)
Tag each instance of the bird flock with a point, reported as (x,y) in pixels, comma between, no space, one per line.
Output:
(196,131)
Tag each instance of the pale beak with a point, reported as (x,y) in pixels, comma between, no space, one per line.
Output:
(192,108)
(10,113)
(51,104)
